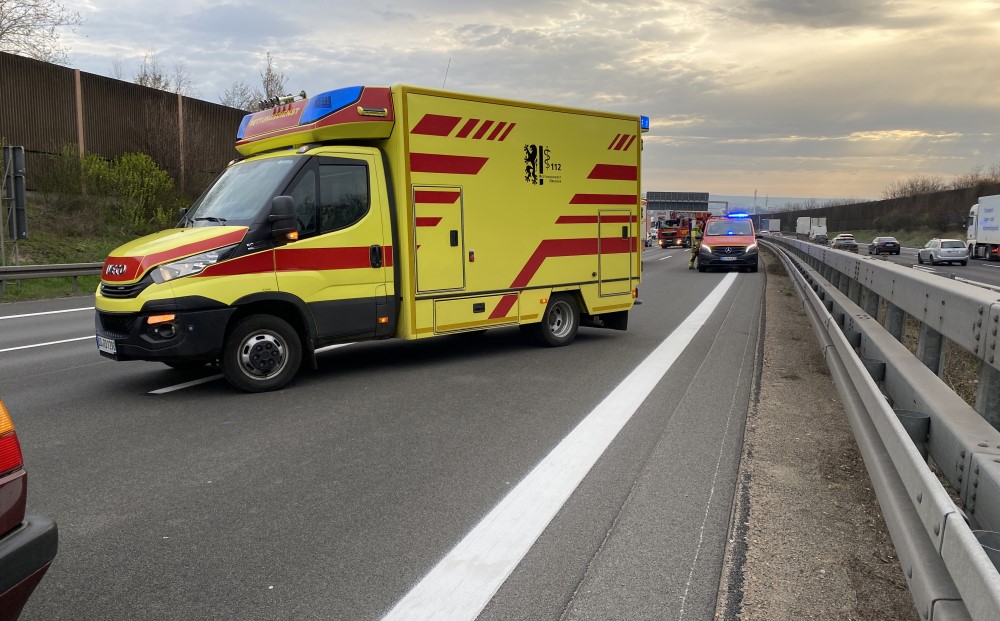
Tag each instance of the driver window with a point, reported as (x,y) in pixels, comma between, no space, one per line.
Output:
(303,193)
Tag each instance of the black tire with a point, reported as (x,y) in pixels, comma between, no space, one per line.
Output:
(963,262)
(262,353)
(560,322)
(920,259)
(753,268)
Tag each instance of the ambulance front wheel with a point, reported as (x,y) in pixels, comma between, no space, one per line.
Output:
(560,322)
(262,353)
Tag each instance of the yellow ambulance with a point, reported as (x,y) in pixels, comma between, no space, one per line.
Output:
(374,212)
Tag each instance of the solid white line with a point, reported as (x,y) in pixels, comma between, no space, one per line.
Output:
(204,380)
(81,338)
(55,312)
(666,257)
(465,580)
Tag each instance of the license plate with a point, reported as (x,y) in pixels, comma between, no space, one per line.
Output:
(728,258)
(106,345)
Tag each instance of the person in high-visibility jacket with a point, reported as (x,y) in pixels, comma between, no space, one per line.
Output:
(696,233)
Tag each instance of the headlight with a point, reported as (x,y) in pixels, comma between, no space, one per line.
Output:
(706,248)
(189,265)
(751,248)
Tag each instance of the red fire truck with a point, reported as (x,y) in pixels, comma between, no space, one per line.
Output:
(676,230)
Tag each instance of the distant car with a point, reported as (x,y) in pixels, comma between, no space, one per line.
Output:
(29,542)
(944,251)
(845,242)
(884,245)
(821,239)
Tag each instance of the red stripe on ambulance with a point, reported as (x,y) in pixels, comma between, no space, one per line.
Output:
(614,172)
(436,125)
(451,164)
(137,266)
(594,219)
(427,221)
(435,197)
(603,199)
(503,307)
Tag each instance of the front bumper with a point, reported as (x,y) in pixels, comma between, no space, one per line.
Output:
(718,257)
(195,333)
(25,555)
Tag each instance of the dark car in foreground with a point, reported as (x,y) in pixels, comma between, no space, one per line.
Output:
(884,245)
(28,542)
(944,251)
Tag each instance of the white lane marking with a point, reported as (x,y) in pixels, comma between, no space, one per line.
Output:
(666,257)
(81,338)
(204,380)
(464,581)
(55,312)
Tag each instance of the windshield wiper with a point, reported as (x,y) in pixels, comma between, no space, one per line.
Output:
(210,219)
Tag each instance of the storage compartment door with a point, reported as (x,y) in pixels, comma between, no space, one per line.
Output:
(615,251)
(439,240)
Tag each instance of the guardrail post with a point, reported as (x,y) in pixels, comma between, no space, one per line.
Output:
(988,395)
(895,322)
(854,291)
(930,350)
(872,303)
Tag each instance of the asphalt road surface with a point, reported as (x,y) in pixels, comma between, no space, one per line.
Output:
(460,477)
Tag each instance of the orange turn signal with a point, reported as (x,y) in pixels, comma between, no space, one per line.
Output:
(155,319)
(543,301)
(383,320)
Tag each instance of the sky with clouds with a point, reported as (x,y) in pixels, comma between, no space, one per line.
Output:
(794,98)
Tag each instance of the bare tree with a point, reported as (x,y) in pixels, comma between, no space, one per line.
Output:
(242,96)
(152,74)
(245,97)
(914,186)
(271,79)
(31,28)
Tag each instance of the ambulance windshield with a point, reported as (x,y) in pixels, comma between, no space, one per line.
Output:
(241,192)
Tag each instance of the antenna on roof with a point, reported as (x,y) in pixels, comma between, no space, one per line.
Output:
(446,73)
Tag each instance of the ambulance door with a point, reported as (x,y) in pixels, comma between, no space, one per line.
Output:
(439,239)
(615,251)
(342,261)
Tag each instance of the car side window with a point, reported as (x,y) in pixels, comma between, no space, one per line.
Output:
(343,191)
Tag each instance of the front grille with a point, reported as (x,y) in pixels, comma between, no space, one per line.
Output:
(124,291)
(116,326)
(729,251)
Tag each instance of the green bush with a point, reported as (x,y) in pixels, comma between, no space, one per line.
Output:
(144,192)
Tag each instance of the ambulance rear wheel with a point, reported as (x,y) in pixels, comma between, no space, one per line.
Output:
(262,353)
(561,321)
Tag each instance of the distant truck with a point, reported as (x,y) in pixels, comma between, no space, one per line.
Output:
(771,225)
(983,236)
(806,227)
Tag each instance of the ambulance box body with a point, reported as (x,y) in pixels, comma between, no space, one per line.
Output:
(369,213)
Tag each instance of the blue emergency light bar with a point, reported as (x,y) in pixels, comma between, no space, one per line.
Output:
(328,103)
(644,123)
(738,214)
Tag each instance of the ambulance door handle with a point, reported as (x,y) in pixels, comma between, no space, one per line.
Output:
(454,238)
(625,232)
(375,255)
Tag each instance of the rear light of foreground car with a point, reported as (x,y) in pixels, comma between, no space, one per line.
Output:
(10,448)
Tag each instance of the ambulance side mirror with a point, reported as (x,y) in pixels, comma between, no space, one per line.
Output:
(284,223)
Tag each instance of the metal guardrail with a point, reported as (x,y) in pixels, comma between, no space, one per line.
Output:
(59,270)
(902,411)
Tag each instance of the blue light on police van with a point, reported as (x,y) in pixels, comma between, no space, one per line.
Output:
(329,102)
(738,214)
(644,123)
